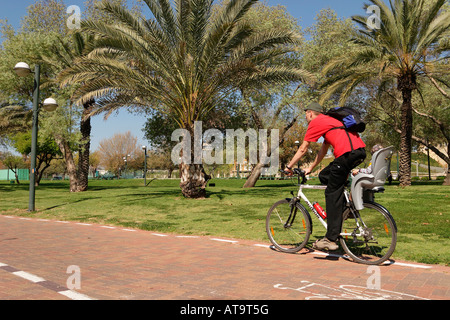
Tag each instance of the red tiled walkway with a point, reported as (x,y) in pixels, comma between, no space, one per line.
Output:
(117,263)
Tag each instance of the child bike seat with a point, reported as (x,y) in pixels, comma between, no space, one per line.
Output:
(365,185)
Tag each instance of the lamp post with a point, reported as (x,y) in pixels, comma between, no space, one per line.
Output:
(125,160)
(145,165)
(23,70)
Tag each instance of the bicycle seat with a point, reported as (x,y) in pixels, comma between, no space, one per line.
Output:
(365,185)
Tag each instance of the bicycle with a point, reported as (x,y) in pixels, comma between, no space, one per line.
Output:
(368,233)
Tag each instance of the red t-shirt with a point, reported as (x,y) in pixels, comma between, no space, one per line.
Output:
(337,138)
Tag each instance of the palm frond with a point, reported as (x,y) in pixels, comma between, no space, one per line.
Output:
(182,62)
(409,38)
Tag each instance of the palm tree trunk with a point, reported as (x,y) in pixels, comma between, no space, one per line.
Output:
(193,180)
(70,163)
(406,84)
(193,176)
(83,161)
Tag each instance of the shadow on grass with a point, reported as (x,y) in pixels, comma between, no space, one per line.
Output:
(69,203)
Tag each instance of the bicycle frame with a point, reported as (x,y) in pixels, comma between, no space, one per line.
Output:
(301,195)
(304,198)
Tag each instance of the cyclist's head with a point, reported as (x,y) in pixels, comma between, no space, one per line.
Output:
(314,106)
(312,111)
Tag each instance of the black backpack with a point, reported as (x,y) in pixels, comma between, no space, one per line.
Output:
(350,118)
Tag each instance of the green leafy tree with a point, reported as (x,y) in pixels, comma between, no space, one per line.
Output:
(45,16)
(180,62)
(47,150)
(62,55)
(406,48)
(13,163)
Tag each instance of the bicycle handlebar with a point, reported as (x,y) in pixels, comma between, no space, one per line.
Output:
(299,172)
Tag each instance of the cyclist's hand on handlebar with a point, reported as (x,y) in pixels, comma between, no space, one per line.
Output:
(308,171)
(288,172)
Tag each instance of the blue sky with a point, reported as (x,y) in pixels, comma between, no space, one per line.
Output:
(303,10)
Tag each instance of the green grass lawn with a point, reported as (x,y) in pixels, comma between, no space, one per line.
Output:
(422,212)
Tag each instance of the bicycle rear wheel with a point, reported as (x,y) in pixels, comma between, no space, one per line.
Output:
(371,236)
(288,227)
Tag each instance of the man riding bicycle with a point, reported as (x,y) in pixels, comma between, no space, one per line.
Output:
(349,151)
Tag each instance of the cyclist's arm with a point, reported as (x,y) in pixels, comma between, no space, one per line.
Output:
(300,153)
(322,152)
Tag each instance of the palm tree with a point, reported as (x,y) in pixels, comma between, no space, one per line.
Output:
(62,55)
(408,46)
(14,118)
(181,63)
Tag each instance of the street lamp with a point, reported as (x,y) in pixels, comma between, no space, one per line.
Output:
(50,104)
(145,165)
(125,160)
(22,69)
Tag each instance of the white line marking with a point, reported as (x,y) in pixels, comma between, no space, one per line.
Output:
(74,295)
(401,264)
(223,240)
(84,224)
(159,235)
(24,218)
(35,279)
(129,230)
(44,220)
(28,276)
(190,237)
(409,265)
(62,221)
(262,245)
(107,227)
(329,254)
(9,217)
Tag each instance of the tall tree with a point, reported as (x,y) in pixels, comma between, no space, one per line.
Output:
(42,27)
(112,151)
(60,56)
(13,163)
(406,47)
(45,16)
(431,119)
(182,61)
(47,150)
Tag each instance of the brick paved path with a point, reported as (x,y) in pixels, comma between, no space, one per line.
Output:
(117,263)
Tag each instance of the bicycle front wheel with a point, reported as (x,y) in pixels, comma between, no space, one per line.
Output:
(370,235)
(288,227)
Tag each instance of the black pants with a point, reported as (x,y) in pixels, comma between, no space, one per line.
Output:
(335,176)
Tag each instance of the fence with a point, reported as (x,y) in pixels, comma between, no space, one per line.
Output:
(24,174)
